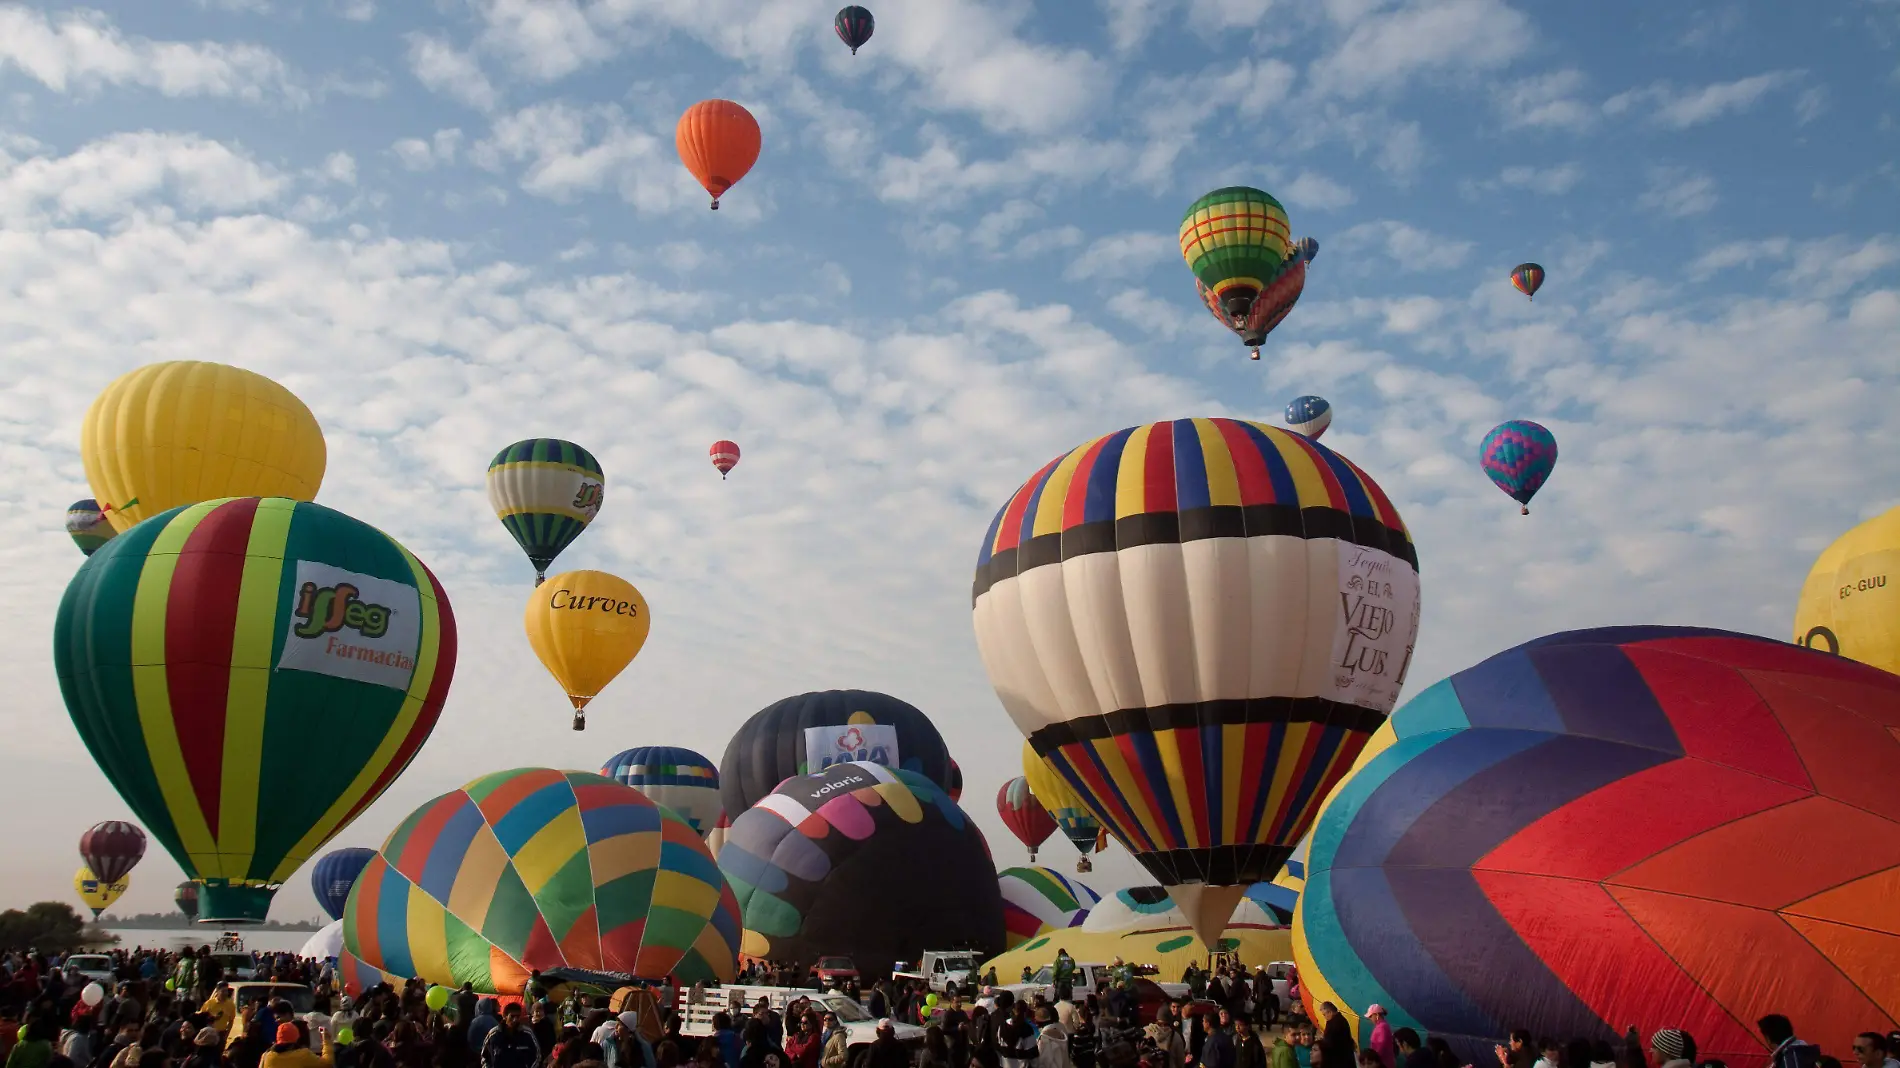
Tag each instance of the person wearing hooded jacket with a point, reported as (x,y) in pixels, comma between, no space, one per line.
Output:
(292,1050)
(487,1018)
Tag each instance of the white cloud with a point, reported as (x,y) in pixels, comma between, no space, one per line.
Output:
(1129,21)
(416,154)
(82,50)
(1384,51)
(1412,248)
(354,10)
(570,151)
(1123,255)
(123,174)
(1678,192)
(339,167)
(457,75)
(1555,180)
(1678,108)
(1547,101)
(1310,189)
(544,39)
(1811,104)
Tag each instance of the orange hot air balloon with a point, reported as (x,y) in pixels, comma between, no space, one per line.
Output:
(719,142)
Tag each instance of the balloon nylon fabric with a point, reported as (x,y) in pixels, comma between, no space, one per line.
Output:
(1251,601)
(770,746)
(545,491)
(112,849)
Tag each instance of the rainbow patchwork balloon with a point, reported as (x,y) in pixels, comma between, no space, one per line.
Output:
(1036,900)
(1518,455)
(1649,826)
(535,869)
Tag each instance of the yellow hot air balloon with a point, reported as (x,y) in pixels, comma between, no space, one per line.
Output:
(586,626)
(97,893)
(1851,602)
(183,432)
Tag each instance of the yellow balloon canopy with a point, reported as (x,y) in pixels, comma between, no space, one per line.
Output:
(97,893)
(586,626)
(1851,602)
(182,432)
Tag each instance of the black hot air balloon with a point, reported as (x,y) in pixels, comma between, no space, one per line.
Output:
(855,26)
(813,731)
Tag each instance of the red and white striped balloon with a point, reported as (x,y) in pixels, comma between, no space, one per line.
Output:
(725,456)
(112,849)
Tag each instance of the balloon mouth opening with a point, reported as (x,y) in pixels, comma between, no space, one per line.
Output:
(234,906)
(1237,302)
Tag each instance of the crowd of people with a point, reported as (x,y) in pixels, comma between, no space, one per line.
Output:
(166,1010)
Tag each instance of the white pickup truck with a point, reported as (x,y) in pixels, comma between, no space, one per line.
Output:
(941,969)
(696,1018)
(1089,979)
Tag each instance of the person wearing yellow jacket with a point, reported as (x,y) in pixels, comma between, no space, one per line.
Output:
(221,1008)
(292,1052)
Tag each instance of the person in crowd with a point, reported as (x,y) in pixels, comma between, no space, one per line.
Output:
(1872,1051)
(34,1049)
(1787,1051)
(292,1049)
(75,1044)
(206,1047)
(509,1045)
(1249,1051)
(727,1037)
(757,1047)
(1282,1055)
(1673,1048)
(886,1051)
(487,1017)
(836,1052)
(1217,1050)
(1381,1041)
(806,1042)
(1052,1040)
(1336,1047)
(1411,1050)
(1170,1047)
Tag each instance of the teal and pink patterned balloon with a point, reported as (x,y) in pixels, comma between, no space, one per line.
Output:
(1518,456)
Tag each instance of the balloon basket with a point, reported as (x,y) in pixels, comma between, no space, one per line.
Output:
(234,905)
(1526,510)
(580,721)
(1255,356)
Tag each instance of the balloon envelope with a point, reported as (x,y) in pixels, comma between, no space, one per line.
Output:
(88,526)
(1850,603)
(186,898)
(1024,815)
(854,26)
(586,626)
(112,849)
(545,491)
(540,869)
(673,776)
(1570,837)
(250,675)
(1037,900)
(1518,456)
(1527,278)
(812,731)
(1198,624)
(182,432)
(718,141)
(1309,415)
(97,893)
(725,456)
(327,943)
(1063,804)
(333,875)
(812,868)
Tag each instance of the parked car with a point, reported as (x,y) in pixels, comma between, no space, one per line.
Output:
(91,968)
(831,972)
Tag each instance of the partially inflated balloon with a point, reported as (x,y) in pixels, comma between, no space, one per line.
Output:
(112,849)
(1518,456)
(1198,624)
(545,491)
(855,26)
(1850,603)
(1036,900)
(1064,805)
(719,142)
(335,872)
(1309,415)
(172,434)
(97,893)
(673,776)
(88,526)
(1527,278)
(250,675)
(586,626)
(812,731)
(1024,815)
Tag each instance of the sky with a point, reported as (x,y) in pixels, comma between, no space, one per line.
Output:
(449,225)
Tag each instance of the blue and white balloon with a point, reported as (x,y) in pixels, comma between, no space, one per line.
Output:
(1309,415)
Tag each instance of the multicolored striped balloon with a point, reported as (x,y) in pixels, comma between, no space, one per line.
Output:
(545,491)
(1309,415)
(87,524)
(1634,826)
(1527,278)
(1063,804)
(1518,456)
(1198,623)
(1246,266)
(1024,814)
(250,674)
(676,777)
(534,869)
(1038,900)
(112,849)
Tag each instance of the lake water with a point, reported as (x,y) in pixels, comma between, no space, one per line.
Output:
(175,938)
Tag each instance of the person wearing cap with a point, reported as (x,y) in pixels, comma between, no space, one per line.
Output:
(1052,1040)
(1673,1048)
(292,1050)
(1380,1041)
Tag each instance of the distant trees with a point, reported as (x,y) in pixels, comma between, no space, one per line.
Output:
(48,926)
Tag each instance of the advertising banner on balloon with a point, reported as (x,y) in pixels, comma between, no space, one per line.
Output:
(352,626)
(875,742)
(1378,598)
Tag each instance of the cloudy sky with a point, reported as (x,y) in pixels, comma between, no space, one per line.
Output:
(447,225)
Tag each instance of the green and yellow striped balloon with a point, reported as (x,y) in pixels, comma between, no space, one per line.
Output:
(545,491)
(1236,240)
(250,674)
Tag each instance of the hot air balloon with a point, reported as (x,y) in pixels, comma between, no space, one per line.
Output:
(1157,611)
(1528,278)
(1063,804)
(1246,268)
(812,867)
(88,525)
(1518,455)
(545,491)
(1309,249)
(1309,415)
(855,26)
(1573,836)
(178,433)
(250,674)
(1850,604)
(678,778)
(112,849)
(955,788)
(186,898)
(333,876)
(97,893)
(586,626)
(1038,900)
(719,142)
(1024,815)
(565,872)
(725,456)
(716,839)
(813,731)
